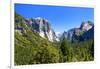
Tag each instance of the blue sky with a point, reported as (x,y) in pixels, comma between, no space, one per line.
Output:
(61,18)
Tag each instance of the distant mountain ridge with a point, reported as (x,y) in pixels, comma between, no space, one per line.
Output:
(84,32)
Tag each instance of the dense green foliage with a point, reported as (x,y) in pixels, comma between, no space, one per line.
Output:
(83,51)
(30,48)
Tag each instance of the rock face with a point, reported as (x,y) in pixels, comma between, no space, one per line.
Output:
(38,25)
(89,34)
(84,32)
(42,26)
(85,26)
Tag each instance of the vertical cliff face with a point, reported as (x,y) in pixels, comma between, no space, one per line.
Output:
(85,26)
(42,26)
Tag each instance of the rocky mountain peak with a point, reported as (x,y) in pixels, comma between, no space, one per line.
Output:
(43,27)
(85,26)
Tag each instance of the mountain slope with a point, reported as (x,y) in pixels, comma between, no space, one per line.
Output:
(30,47)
